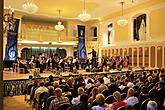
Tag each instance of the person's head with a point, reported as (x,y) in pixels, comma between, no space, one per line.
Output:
(144,90)
(130,92)
(130,85)
(55,84)
(95,91)
(42,84)
(117,95)
(129,107)
(80,90)
(100,99)
(66,88)
(50,89)
(33,57)
(101,80)
(161,84)
(58,92)
(84,98)
(50,78)
(30,77)
(89,81)
(152,105)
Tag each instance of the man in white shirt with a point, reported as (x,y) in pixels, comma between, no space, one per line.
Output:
(40,90)
(131,99)
(76,100)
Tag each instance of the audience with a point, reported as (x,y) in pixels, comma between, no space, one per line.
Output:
(137,91)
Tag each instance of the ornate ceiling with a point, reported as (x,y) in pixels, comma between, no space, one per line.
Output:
(71,8)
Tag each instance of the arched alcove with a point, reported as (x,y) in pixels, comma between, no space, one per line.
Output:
(139,27)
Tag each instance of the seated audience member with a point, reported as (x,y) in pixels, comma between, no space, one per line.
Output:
(51,91)
(131,99)
(77,99)
(139,83)
(100,99)
(152,105)
(106,80)
(129,84)
(50,81)
(40,90)
(66,90)
(118,102)
(54,105)
(55,84)
(83,105)
(122,86)
(89,84)
(144,94)
(94,92)
(102,86)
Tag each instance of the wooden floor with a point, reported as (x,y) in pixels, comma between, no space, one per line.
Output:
(15,103)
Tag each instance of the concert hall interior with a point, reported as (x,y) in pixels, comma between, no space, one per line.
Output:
(82,54)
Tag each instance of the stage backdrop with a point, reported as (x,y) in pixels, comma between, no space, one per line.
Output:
(12,38)
(81,42)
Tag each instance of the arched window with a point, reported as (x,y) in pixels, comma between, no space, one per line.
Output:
(139,28)
(93,33)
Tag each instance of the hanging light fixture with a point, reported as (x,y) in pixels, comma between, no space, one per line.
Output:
(30,6)
(84,16)
(59,26)
(122,21)
(8,19)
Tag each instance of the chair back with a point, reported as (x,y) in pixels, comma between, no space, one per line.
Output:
(125,90)
(94,103)
(106,92)
(121,108)
(49,100)
(42,100)
(153,93)
(64,106)
(110,99)
(137,106)
(70,97)
(144,104)
(123,96)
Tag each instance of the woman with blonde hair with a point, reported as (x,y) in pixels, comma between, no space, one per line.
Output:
(94,92)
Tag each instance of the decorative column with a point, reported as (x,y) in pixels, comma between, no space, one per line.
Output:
(132,57)
(143,56)
(156,51)
(163,56)
(123,51)
(1,53)
(149,61)
(137,57)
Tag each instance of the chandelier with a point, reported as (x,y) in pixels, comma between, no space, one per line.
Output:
(8,19)
(84,16)
(30,6)
(59,26)
(122,21)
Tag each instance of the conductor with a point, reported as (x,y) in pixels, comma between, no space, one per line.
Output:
(93,57)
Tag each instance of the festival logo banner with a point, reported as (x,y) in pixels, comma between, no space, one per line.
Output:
(81,42)
(12,39)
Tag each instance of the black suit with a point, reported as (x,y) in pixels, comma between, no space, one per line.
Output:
(93,58)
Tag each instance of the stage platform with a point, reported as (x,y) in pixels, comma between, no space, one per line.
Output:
(10,75)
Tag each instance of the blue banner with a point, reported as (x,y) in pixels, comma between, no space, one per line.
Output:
(12,39)
(81,42)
